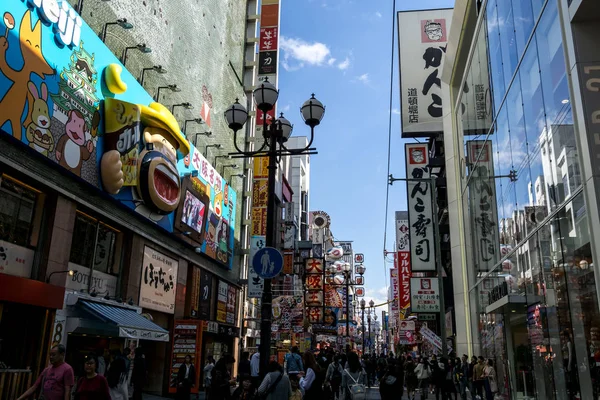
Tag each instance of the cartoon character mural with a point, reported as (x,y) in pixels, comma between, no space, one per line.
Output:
(141,144)
(219,233)
(52,113)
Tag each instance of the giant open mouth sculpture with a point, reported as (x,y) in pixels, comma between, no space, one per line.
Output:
(159,184)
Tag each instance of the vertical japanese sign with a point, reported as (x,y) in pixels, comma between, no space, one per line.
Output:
(222,296)
(402,259)
(422,37)
(314,297)
(482,198)
(420,208)
(187,341)
(395,291)
(205,295)
(195,292)
(159,275)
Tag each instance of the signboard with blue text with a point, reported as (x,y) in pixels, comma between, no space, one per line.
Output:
(66,96)
(216,220)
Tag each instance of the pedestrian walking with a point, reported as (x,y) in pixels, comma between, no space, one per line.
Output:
(92,386)
(244,368)
(210,364)
(463,376)
(246,390)
(296,391)
(472,365)
(311,382)
(353,376)
(276,385)
(333,377)
(56,381)
(186,379)
(139,376)
(255,368)
(410,378)
(116,376)
(423,372)
(293,362)
(221,381)
(489,379)
(478,378)
(390,384)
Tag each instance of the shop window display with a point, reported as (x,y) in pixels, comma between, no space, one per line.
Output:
(94,240)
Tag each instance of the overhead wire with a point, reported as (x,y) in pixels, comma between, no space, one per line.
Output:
(389,149)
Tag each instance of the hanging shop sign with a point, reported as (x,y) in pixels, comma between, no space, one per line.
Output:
(315,297)
(208,207)
(424,295)
(359,291)
(187,341)
(320,220)
(404,275)
(15,260)
(255,282)
(420,208)
(157,287)
(195,291)
(482,199)
(231,305)
(395,291)
(206,285)
(402,231)
(60,104)
(422,48)
(432,338)
(359,258)
(101,282)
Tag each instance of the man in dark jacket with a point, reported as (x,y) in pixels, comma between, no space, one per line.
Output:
(186,378)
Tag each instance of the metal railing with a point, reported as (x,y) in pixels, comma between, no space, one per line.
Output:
(14,382)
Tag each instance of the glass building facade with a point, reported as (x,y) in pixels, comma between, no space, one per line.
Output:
(532,285)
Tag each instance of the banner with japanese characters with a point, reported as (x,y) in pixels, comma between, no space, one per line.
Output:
(425,295)
(422,38)
(159,276)
(482,202)
(395,291)
(404,275)
(420,208)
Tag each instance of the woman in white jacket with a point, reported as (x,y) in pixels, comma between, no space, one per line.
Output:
(423,372)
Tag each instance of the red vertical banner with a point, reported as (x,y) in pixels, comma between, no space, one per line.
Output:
(404,274)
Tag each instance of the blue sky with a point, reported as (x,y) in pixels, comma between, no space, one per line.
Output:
(340,49)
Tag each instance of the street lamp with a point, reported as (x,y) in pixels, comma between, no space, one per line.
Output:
(196,120)
(156,68)
(186,105)
(172,88)
(275,135)
(345,269)
(122,22)
(141,47)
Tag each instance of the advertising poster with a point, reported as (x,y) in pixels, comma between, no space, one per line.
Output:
(422,38)
(215,219)
(195,292)
(231,302)
(55,101)
(157,287)
(187,340)
(222,296)
(420,208)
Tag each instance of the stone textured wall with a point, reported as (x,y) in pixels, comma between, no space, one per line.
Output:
(199,43)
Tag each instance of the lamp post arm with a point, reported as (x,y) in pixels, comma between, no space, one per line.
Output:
(246,153)
(307,147)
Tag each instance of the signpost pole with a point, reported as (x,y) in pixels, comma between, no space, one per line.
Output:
(438,263)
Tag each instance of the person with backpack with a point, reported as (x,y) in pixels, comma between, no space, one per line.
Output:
(354,379)
(276,385)
(333,377)
(293,362)
(390,384)
(311,382)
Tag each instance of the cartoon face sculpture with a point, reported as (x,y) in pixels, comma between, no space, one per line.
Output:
(433,30)
(146,160)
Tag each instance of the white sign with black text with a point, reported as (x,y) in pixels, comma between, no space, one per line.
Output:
(424,295)
(158,281)
(420,208)
(15,260)
(422,38)
(101,283)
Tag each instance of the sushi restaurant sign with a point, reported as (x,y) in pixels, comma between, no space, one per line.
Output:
(66,23)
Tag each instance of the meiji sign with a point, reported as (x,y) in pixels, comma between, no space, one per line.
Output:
(67,24)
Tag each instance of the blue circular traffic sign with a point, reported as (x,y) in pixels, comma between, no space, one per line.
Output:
(267,262)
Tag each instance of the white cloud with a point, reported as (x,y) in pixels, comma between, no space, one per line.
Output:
(285,108)
(364,78)
(395,111)
(315,53)
(378,14)
(344,64)
(331,61)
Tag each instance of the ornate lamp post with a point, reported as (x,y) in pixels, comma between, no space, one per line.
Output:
(275,135)
(362,307)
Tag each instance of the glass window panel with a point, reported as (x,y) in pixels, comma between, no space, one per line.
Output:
(495,55)
(508,41)
(523,17)
(17,205)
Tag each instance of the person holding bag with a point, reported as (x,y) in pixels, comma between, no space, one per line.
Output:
(354,379)
(276,385)
(423,373)
(489,380)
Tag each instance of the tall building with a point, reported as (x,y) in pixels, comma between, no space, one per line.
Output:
(123,221)
(520,99)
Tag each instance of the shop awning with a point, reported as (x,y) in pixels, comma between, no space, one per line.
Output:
(130,324)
